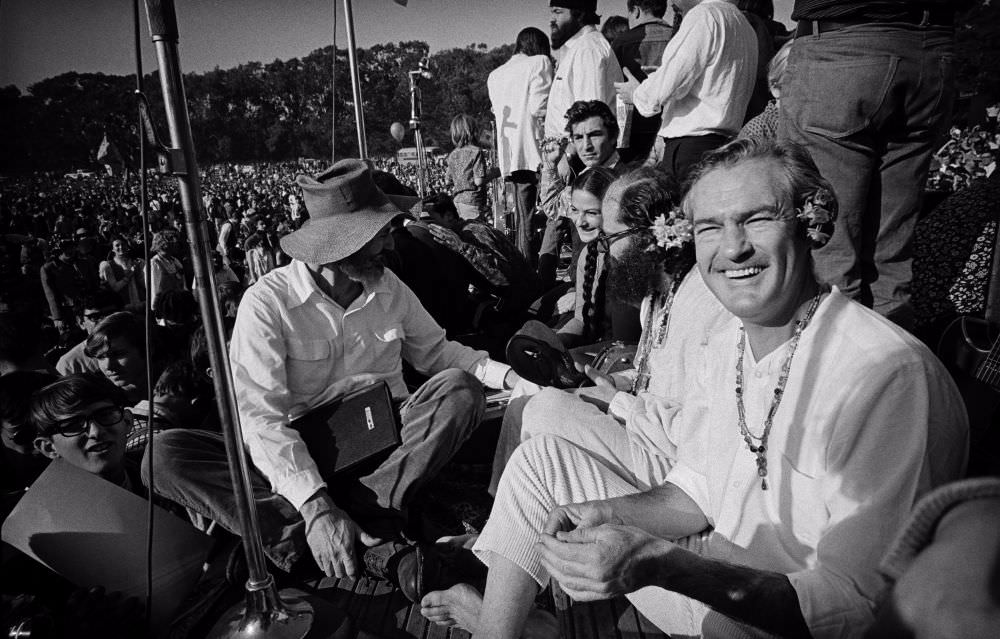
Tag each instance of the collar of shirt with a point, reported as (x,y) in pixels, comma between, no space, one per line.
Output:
(302,286)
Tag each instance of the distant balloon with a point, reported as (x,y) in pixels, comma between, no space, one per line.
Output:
(398,131)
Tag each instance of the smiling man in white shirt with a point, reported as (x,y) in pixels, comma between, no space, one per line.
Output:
(801,446)
(333,321)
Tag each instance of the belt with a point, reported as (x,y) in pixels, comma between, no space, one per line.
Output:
(920,18)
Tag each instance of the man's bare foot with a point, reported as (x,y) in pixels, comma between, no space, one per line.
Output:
(456,606)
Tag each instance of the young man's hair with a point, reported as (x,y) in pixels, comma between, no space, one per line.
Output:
(175,307)
(656,8)
(464,130)
(100,298)
(585,109)
(68,396)
(16,390)
(124,325)
(533,41)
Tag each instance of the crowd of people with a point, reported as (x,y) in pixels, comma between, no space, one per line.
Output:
(781,455)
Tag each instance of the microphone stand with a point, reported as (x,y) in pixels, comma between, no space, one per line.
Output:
(265,613)
(415,111)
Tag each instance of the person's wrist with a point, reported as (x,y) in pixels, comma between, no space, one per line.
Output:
(318,505)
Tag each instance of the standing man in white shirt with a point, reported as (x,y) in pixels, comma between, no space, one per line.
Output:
(519,92)
(586,68)
(332,321)
(703,85)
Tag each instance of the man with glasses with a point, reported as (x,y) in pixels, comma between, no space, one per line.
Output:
(81,419)
(95,307)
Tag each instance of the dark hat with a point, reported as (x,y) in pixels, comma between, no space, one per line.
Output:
(346,210)
(590,6)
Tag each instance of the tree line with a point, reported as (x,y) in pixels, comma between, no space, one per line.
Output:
(281,110)
(253,112)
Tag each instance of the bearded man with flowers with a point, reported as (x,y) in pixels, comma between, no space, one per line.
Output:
(808,427)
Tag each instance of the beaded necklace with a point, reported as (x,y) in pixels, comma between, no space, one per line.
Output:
(758,444)
(653,335)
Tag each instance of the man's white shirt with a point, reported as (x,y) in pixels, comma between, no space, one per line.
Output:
(586,69)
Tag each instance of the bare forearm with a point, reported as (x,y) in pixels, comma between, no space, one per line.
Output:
(760,598)
(664,511)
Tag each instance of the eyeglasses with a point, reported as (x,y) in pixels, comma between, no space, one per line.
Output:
(75,426)
(605,241)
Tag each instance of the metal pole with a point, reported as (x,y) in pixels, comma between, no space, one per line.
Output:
(333,91)
(418,138)
(352,56)
(265,614)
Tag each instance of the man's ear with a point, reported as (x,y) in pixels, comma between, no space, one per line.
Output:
(129,419)
(44,446)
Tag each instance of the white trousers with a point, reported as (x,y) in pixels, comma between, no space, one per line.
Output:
(573,452)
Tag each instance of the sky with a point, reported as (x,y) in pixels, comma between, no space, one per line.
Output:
(43,38)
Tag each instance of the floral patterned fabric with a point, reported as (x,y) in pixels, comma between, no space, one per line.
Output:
(953,254)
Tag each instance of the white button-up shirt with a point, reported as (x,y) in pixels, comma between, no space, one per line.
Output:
(870,421)
(707,75)
(295,349)
(519,92)
(587,69)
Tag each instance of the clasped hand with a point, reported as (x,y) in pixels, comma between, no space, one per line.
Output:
(593,555)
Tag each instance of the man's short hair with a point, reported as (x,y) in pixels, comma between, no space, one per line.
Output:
(657,8)
(67,397)
(100,298)
(802,178)
(124,325)
(586,109)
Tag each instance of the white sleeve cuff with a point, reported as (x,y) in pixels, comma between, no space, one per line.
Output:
(492,374)
(622,405)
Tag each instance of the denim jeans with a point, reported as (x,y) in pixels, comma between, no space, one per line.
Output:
(191,469)
(871,103)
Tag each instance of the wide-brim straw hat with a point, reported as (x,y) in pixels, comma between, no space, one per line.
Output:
(346,210)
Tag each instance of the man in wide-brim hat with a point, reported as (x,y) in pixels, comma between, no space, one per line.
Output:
(332,321)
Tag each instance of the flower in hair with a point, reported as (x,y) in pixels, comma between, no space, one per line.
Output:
(672,230)
(817,214)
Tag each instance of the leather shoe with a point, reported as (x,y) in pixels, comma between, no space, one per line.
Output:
(402,565)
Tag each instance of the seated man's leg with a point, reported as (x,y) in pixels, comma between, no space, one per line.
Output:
(566,415)
(191,469)
(436,420)
(546,472)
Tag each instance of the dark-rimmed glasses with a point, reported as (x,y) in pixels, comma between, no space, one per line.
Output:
(605,241)
(75,426)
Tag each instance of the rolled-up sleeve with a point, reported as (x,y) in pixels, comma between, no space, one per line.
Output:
(257,355)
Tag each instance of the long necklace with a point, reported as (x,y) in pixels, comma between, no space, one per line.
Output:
(653,335)
(758,444)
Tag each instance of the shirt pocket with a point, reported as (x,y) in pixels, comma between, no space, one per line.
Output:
(804,509)
(308,365)
(387,345)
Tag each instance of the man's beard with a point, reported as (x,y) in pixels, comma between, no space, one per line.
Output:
(634,275)
(365,270)
(563,33)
